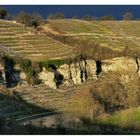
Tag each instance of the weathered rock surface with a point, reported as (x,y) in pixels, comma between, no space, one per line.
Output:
(75,74)
(48,78)
(120,64)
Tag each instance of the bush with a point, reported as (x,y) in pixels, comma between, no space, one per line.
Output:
(3,13)
(57,15)
(107,18)
(27,19)
(24,18)
(88,18)
(32,76)
(57,63)
(84,105)
(110,93)
(107,95)
(31,70)
(128,16)
(24,64)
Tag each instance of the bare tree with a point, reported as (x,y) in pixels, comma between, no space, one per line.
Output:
(128,16)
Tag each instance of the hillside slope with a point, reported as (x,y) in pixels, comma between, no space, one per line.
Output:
(32,44)
(113,34)
(26,42)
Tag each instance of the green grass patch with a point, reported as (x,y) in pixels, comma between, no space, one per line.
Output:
(57,63)
(129,118)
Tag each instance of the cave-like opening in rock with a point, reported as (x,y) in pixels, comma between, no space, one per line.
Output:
(81,72)
(137,63)
(85,69)
(70,75)
(1,77)
(11,76)
(98,67)
(58,77)
(52,66)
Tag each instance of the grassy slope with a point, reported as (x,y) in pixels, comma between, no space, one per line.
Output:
(113,34)
(129,118)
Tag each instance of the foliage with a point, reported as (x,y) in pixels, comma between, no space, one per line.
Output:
(107,18)
(127,51)
(110,95)
(31,70)
(27,19)
(75,17)
(115,95)
(57,15)
(24,18)
(37,17)
(3,13)
(84,105)
(107,95)
(32,76)
(128,118)
(24,64)
(57,63)
(8,59)
(97,52)
(88,18)
(128,16)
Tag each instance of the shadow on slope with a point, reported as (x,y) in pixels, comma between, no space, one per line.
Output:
(96,129)
(15,111)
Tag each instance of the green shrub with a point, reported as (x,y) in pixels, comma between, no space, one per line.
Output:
(24,64)
(32,76)
(57,63)
(31,70)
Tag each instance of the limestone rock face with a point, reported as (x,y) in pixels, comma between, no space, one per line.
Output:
(120,64)
(77,70)
(75,73)
(72,74)
(125,66)
(48,78)
(22,76)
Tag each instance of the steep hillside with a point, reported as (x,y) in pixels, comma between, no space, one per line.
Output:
(12,106)
(19,40)
(113,34)
(99,87)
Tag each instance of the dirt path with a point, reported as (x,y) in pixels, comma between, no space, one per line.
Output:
(100,35)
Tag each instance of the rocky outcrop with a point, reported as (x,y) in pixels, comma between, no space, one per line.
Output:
(76,73)
(120,64)
(2,74)
(73,74)
(47,78)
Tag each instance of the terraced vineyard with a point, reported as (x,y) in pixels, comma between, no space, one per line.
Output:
(108,96)
(27,43)
(23,41)
(46,97)
(10,108)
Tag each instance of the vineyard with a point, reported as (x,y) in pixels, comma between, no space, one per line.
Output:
(98,86)
(26,42)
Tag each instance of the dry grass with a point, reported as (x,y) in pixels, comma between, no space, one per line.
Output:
(31,44)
